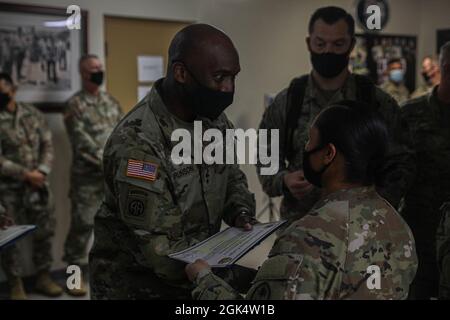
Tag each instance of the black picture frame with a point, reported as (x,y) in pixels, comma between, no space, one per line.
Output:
(41,53)
(373,51)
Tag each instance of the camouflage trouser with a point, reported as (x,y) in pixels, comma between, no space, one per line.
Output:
(27,207)
(86,198)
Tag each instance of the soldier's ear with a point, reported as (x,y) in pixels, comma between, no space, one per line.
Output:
(179,72)
(331,153)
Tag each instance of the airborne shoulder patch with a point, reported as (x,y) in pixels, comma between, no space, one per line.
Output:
(141,170)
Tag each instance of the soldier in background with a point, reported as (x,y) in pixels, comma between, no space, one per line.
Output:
(431,76)
(395,85)
(429,119)
(330,41)
(26,155)
(327,253)
(154,207)
(90,117)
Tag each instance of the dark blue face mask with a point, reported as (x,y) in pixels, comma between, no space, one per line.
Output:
(207,102)
(313,177)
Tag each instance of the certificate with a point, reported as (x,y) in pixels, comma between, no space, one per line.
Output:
(228,246)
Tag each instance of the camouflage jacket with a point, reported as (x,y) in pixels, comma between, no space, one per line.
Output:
(142,220)
(395,176)
(89,121)
(443,252)
(399,92)
(422,90)
(328,254)
(429,122)
(25,144)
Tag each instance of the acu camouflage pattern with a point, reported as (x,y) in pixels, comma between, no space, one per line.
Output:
(443,252)
(140,222)
(429,121)
(26,144)
(394,177)
(89,121)
(399,92)
(325,255)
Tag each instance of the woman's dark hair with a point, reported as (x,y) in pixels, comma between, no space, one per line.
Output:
(359,133)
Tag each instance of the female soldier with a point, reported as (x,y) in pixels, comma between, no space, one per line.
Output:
(352,244)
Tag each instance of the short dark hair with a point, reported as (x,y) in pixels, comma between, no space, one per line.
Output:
(87,57)
(331,15)
(394,60)
(359,133)
(7,77)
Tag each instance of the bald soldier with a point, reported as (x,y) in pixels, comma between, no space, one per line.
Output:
(90,116)
(429,119)
(153,207)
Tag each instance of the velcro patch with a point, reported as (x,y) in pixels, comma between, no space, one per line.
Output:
(141,170)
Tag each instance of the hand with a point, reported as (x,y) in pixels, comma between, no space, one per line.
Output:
(297,185)
(35,178)
(192,269)
(5,222)
(245,222)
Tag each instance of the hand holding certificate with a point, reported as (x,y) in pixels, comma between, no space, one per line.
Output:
(228,246)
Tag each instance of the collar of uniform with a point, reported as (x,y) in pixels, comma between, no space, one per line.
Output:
(91,99)
(347,91)
(345,194)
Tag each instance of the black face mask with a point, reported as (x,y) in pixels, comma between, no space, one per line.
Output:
(4,100)
(426,77)
(329,65)
(313,177)
(97,78)
(207,102)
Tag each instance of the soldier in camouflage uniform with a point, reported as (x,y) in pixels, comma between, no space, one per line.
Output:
(443,252)
(395,86)
(154,207)
(332,251)
(431,77)
(429,118)
(330,81)
(90,117)
(26,154)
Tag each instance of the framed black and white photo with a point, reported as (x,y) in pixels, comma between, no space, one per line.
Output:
(41,52)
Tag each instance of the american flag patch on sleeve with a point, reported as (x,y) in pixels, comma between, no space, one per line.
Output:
(141,170)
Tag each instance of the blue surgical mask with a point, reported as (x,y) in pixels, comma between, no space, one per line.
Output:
(396,76)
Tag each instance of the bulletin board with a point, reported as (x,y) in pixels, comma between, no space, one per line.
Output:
(373,51)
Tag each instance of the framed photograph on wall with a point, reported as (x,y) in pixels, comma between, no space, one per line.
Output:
(41,52)
(443,36)
(373,51)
